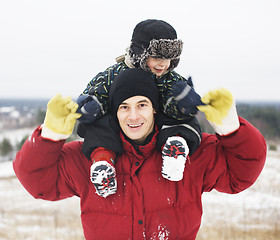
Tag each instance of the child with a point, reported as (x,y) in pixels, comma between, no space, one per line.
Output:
(155,49)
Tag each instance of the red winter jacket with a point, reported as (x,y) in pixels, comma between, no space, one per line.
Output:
(146,206)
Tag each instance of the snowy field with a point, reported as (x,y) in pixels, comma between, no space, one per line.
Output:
(15,136)
(252,214)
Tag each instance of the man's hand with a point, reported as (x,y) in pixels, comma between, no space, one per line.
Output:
(186,97)
(60,118)
(220,111)
(89,107)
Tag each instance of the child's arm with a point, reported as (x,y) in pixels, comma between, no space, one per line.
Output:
(93,102)
(179,101)
(178,97)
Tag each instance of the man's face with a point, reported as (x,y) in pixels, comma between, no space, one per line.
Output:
(158,66)
(136,118)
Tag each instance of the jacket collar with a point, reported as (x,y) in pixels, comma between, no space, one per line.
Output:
(140,150)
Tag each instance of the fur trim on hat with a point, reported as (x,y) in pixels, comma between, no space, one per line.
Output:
(165,48)
(162,48)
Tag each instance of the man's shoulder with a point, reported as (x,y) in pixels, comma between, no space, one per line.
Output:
(73,155)
(208,139)
(73,147)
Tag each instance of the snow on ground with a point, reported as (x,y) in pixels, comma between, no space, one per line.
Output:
(24,218)
(6,170)
(255,211)
(15,136)
(261,201)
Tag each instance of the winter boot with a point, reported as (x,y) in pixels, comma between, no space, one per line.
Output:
(102,172)
(174,154)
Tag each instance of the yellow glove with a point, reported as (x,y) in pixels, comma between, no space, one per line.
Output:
(218,102)
(60,118)
(220,111)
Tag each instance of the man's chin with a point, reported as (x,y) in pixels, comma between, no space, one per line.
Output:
(135,138)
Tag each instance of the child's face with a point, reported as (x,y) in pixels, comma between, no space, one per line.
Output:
(158,66)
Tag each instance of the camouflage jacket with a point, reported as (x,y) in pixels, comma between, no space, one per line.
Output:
(99,86)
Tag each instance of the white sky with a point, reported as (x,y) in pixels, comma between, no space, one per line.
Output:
(57,46)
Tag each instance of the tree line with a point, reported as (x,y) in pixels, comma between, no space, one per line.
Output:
(266,118)
(8,150)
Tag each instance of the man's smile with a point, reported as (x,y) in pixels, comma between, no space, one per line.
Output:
(135,125)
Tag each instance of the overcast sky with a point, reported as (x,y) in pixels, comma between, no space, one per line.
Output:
(57,46)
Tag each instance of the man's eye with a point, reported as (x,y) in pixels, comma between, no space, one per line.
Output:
(123,107)
(142,105)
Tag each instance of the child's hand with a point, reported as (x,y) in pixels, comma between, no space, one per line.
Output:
(186,97)
(89,107)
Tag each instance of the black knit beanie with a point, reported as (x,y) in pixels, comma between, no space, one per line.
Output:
(154,38)
(132,82)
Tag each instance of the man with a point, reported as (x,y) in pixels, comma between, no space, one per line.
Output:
(146,205)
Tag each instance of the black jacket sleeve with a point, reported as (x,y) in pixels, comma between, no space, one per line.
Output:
(103,132)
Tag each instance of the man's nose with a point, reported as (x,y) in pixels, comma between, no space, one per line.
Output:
(133,113)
